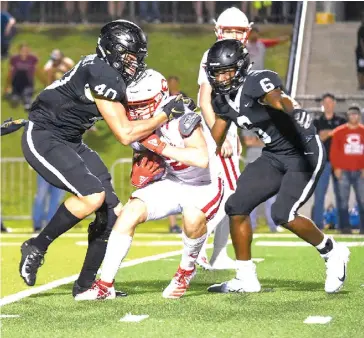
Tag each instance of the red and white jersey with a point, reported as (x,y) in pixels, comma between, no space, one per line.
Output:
(170,134)
(232,135)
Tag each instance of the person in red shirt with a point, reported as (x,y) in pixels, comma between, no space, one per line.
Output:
(347,158)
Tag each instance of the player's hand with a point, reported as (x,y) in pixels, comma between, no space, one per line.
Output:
(174,108)
(9,126)
(220,105)
(302,118)
(337,173)
(226,149)
(153,143)
(145,172)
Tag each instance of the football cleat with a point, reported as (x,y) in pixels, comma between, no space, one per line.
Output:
(336,267)
(203,262)
(31,259)
(246,281)
(179,284)
(98,291)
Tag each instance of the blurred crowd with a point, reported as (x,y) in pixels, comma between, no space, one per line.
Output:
(146,11)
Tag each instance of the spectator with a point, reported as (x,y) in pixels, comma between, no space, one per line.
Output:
(254,150)
(115,9)
(3,227)
(57,66)
(174,228)
(70,8)
(210,6)
(152,16)
(7,32)
(174,85)
(257,47)
(325,125)
(360,54)
(20,79)
(347,158)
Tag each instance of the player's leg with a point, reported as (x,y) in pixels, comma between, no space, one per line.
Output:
(296,189)
(155,201)
(193,236)
(39,203)
(258,182)
(100,229)
(358,185)
(61,166)
(268,213)
(118,245)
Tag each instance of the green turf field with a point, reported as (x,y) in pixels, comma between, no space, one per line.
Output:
(173,50)
(292,279)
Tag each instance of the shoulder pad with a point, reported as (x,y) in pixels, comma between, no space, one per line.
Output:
(188,122)
(260,82)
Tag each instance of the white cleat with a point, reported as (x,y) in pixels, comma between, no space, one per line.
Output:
(98,291)
(336,267)
(223,263)
(246,281)
(203,262)
(179,284)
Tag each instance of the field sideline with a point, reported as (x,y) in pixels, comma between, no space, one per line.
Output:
(292,279)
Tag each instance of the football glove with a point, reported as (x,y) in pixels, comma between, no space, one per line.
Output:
(9,126)
(145,171)
(176,107)
(302,118)
(220,105)
(153,143)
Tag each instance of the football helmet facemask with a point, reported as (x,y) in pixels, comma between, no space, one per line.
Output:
(146,95)
(227,65)
(123,45)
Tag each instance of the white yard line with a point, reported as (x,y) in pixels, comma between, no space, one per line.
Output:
(317,320)
(33,291)
(296,243)
(9,316)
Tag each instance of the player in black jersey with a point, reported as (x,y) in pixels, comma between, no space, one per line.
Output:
(289,166)
(94,89)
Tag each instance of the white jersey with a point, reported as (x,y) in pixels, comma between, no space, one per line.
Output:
(232,135)
(169,133)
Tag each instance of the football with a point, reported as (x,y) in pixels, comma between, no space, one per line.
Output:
(139,180)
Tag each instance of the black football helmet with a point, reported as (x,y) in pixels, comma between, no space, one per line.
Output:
(225,55)
(123,45)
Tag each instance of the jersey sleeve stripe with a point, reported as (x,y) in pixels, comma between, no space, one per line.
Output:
(42,160)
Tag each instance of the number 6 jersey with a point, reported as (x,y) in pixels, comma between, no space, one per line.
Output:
(278,130)
(67,107)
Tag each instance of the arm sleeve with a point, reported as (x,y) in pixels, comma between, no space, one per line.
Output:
(202,76)
(335,150)
(105,82)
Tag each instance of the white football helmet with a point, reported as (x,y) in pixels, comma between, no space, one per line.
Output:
(146,95)
(233,19)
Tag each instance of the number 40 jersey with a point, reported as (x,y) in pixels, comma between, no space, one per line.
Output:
(279,132)
(67,106)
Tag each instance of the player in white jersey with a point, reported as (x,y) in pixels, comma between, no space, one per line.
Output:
(189,186)
(231,24)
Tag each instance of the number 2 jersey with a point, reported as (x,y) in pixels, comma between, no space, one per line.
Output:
(279,131)
(67,107)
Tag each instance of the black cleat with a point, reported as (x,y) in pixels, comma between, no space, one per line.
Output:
(31,259)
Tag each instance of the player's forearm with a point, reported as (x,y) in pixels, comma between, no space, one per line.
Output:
(143,128)
(208,114)
(191,156)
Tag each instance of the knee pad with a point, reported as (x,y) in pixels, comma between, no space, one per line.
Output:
(279,214)
(110,197)
(236,206)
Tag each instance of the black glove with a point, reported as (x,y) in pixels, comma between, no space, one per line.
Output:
(189,103)
(220,105)
(9,126)
(303,119)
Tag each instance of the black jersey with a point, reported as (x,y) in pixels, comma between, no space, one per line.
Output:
(279,131)
(67,107)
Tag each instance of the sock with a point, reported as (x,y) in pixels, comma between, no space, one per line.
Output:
(96,250)
(221,238)
(117,249)
(191,249)
(241,266)
(203,252)
(62,221)
(325,246)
